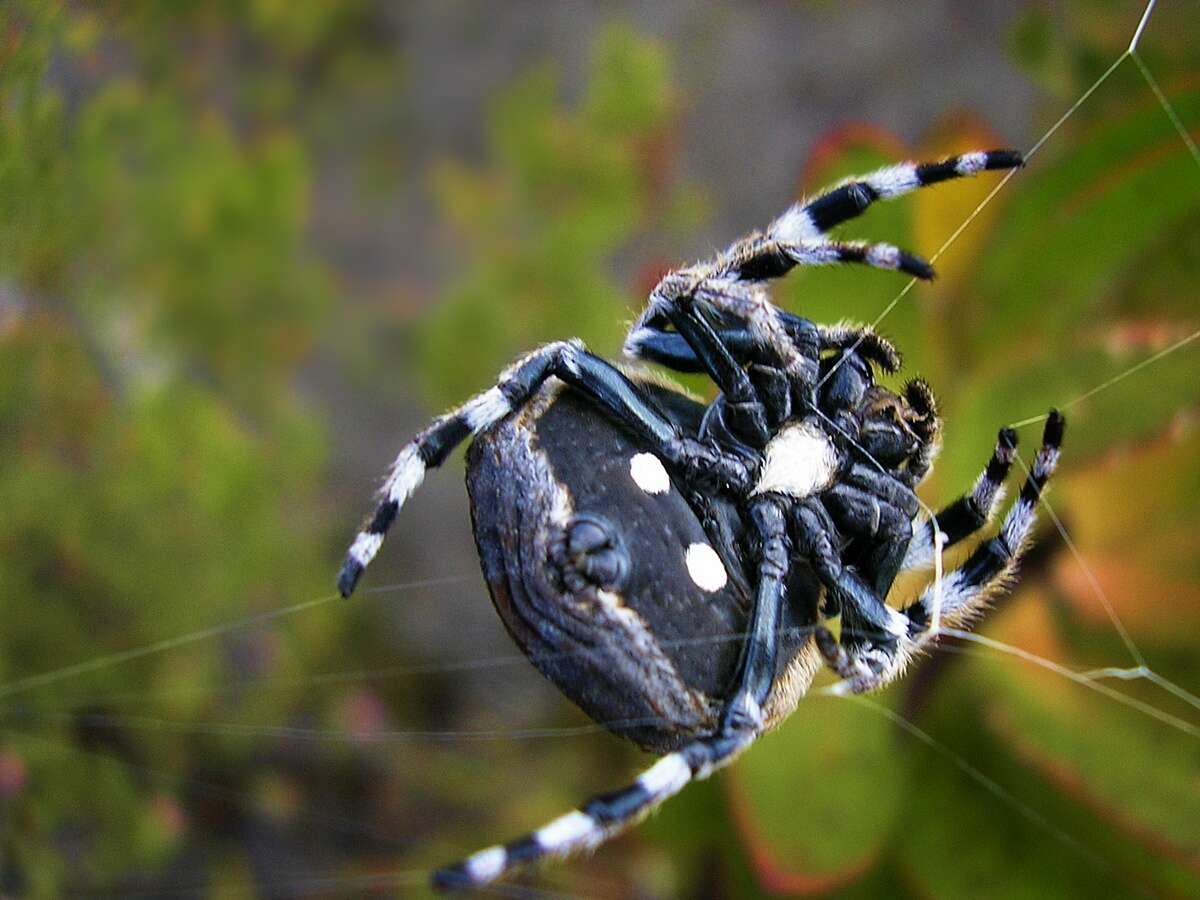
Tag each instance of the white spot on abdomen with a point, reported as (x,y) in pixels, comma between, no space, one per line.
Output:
(705,567)
(648,473)
(799,461)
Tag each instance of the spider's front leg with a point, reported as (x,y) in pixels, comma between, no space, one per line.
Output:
(962,594)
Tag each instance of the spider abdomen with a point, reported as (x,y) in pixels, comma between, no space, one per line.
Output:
(605,575)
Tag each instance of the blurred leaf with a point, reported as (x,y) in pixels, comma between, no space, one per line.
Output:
(813,768)
(1121,416)
(1131,520)
(1138,780)
(564,190)
(1079,224)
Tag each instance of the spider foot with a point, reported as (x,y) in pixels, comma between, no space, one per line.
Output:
(859,671)
(588,553)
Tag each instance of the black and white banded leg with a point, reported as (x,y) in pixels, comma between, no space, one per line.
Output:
(758,259)
(812,219)
(964,593)
(601,817)
(969,513)
(571,362)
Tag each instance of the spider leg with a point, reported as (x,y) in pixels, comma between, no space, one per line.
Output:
(649,340)
(759,258)
(863,341)
(569,361)
(601,817)
(810,220)
(747,411)
(968,513)
(964,593)
(817,540)
(873,517)
(756,668)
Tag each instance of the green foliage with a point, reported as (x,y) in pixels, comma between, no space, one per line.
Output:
(563,190)
(155,300)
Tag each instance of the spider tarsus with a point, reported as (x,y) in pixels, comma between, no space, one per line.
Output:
(879,350)
(347,580)
(450,878)
(1005,159)
(1056,424)
(1007,438)
(913,265)
(920,397)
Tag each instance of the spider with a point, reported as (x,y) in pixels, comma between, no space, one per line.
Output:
(680,570)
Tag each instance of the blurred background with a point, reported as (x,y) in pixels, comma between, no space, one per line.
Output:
(247,249)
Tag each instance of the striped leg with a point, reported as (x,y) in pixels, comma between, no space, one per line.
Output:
(968,513)
(600,818)
(571,362)
(729,284)
(964,593)
(808,221)
(762,258)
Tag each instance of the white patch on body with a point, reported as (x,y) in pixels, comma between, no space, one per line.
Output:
(566,830)
(485,410)
(486,864)
(893,181)
(408,471)
(970,163)
(365,546)
(648,473)
(884,256)
(667,776)
(705,567)
(799,461)
(794,225)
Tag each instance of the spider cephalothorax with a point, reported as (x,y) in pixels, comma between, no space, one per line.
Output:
(681,570)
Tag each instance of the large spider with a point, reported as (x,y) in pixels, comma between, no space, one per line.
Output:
(680,570)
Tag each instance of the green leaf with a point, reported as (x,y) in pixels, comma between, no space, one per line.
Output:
(832,765)
(1079,224)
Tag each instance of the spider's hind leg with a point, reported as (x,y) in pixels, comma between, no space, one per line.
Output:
(597,379)
(601,817)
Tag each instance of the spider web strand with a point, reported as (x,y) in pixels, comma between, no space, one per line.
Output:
(990,784)
(1168,108)
(43,679)
(1097,589)
(1083,678)
(1121,376)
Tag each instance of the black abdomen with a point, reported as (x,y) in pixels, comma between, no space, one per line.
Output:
(651,655)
